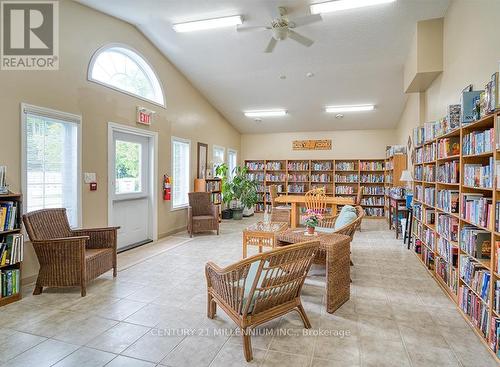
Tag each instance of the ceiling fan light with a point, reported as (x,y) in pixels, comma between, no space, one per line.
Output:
(208,24)
(353,108)
(266,113)
(339,5)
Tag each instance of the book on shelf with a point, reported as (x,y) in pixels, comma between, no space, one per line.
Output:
(448,172)
(477,209)
(477,310)
(374,212)
(372,178)
(478,175)
(351,178)
(12,249)
(475,242)
(448,200)
(448,147)
(447,273)
(478,142)
(430,216)
(495,335)
(10,281)
(321,166)
(476,276)
(345,166)
(371,166)
(273,166)
(8,215)
(447,226)
(453,117)
(255,166)
(468,107)
(300,166)
(429,173)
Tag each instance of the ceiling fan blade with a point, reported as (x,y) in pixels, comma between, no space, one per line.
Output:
(251,29)
(308,19)
(300,38)
(270,46)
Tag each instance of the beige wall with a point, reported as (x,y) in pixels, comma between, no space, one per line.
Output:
(364,144)
(82,32)
(471,55)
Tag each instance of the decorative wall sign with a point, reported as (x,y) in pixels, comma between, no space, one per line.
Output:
(312,144)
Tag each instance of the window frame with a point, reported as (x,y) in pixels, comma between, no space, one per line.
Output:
(224,160)
(59,115)
(102,49)
(235,152)
(187,141)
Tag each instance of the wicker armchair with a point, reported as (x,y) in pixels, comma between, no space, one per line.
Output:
(260,288)
(69,258)
(203,215)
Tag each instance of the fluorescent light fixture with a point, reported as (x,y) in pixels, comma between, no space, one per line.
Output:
(267,113)
(208,24)
(357,108)
(339,5)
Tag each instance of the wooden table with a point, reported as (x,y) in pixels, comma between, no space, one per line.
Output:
(297,200)
(335,252)
(262,235)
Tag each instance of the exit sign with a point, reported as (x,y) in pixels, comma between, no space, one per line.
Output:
(144,116)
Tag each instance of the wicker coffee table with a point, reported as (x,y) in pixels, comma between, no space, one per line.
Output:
(262,235)
(335,253)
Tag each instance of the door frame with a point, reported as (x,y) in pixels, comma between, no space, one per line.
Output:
(152,137)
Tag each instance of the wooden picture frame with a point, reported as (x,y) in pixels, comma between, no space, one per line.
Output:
(202,159)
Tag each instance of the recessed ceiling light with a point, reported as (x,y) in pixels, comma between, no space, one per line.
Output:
(356,108)
(339,116)
(344,5)
(266,113)
(208,24)
(310,74)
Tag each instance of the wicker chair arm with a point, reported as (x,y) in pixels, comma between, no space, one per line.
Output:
(328,221)
(69,251)
(99,237)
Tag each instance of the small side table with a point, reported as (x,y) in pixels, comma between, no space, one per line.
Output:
(262,235)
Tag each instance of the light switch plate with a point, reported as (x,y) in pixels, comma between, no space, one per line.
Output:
(89,177)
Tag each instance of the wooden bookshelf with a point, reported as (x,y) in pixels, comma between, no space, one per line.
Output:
(394,165)
(17,199)
(297,176)
(446,253)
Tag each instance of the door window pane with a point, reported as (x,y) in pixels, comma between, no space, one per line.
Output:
(180,173)
(218,156)
(232,161)
(51,165)
(128,167)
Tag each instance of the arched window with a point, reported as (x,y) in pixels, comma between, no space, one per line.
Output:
(123,69)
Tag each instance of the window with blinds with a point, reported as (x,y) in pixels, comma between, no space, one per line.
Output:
(180,172)
(51,173)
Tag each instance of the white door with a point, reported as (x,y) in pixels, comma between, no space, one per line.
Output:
(130,188)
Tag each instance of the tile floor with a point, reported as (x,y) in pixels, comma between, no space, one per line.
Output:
(153,314)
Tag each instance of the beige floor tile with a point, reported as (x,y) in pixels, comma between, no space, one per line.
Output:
(120,309)
(44,354)
(345,350)
(118,338)
(423,336)
(278,359)
(378,327)
(326,363)
(86,357)
(378,352)
(424,357)
(194,351)
(122,361)
(153,346)
(13,343)
(84,331)
(231,355)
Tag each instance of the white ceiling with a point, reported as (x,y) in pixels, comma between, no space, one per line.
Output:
(357,58)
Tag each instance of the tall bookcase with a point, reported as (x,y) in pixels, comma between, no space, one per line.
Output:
(456,220)
(394,166)
(11,270)
(338,177)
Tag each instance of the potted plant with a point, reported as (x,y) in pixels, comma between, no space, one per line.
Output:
(221,171)
(239,192)
(311,220)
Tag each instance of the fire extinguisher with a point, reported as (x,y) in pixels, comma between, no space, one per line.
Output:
(166,188)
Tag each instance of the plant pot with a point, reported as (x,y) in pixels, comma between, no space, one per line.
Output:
(310,230)
(237,214)
(227,214)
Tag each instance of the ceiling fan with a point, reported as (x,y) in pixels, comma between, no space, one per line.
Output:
(283,28)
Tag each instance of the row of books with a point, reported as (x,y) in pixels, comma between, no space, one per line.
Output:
(447,273)
(430,216)
(425,133)
(295,177)
(488,99)
(447,227)
(373,200)
(274,166)
(344,190)
(476,276)
(429,237)
(448,172)
(346,166)
(279,177)
(471,304)
(447,251)
(373,190)
(374,212)
(435,129)
(429,173)
(419,193)
(255,166)
(8,215)
(429,195)
(296,188)
(495,335)
(477,175)
(418,173)
(347,178)
(372,178)
(475,242)
(256,176)
(12,249)
(477,209)
(425,154)
(10,281)
(216,197)
(448,147)
(478,142)
(323,177)
(448,200)
(428,257)
(213,185)
(321,166)
(298,166)
(371,166)
(497,216)
(395,150)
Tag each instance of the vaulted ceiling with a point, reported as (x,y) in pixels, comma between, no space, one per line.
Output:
(357,58)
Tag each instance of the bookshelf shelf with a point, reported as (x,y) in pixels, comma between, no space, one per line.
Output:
(475,255)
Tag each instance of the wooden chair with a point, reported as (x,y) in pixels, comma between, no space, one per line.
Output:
(203,215)
(316,200)
(67,257)
(260,288)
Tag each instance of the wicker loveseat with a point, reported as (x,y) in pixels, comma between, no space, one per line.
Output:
(67,257)
(261,288)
